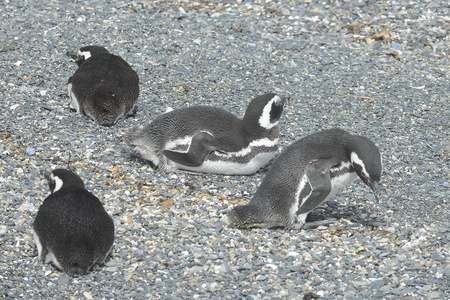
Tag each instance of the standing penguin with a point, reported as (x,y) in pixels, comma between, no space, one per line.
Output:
(211,140)
(72,230)
(104,87)
(306,174)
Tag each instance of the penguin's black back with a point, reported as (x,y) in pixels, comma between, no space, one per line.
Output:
(223,125)
(74,210)
(290,165)
(109,72)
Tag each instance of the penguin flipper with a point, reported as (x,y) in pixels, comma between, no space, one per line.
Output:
(319,179)
(202,144)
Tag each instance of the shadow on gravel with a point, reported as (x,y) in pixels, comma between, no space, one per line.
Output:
(352,213)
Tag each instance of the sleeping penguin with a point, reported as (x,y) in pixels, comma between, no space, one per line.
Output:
(72,230)
(210,139)
(104,87)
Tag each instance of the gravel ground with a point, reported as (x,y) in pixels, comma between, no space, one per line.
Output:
(376,68)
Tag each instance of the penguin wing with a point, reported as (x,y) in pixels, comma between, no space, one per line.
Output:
(202,144)
(318,175)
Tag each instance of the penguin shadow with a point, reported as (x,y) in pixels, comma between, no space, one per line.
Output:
(333,211)
(136,157)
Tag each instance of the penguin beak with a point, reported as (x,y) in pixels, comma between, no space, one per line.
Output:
(284,99)
(374,187)
(72,54)
(45,174)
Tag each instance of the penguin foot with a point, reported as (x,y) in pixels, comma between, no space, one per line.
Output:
(315,224)
(132,113)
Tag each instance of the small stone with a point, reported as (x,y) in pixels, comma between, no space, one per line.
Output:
(435,295)
(31,151)
(63,279)
(3,229)
(261,277)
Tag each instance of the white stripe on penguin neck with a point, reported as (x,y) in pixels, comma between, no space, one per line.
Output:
(354,158)
(264,120)
(85,54)
(58,182)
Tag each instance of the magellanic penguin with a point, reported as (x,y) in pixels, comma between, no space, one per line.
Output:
(72,230)
(306,174)
(209,139)
(104,87)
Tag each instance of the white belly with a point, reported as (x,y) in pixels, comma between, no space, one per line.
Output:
(338,183)
(224,163)
(50,257)
(229,167)
(73,99)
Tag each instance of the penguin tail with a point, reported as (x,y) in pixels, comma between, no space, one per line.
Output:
(132,135)
(246,216)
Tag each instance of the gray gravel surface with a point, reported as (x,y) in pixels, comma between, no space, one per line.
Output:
(376,68)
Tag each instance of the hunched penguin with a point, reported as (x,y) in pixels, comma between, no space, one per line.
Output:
(307,173)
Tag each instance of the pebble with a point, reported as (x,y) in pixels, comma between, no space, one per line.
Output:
(339,60)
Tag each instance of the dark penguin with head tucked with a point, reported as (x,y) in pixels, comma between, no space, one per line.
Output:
(104,87)
(72,229)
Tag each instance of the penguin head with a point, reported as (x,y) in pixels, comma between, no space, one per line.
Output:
(86,52)
(366,161)
(62,178)
(265,110)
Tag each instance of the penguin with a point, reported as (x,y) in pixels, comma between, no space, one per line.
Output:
(208,139)
(72,230)
(104,87)
(307,173)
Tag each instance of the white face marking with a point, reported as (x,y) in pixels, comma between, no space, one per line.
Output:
(227,167)
(85,54)
(354,158)
(37,241)
(58,182)
(50,258)
(73,99)
(264,120)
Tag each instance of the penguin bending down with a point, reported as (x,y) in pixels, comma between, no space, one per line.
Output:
(72,230)
(306,174)
(104,87)
(209,139)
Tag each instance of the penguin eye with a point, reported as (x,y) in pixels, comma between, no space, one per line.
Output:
(364,174)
